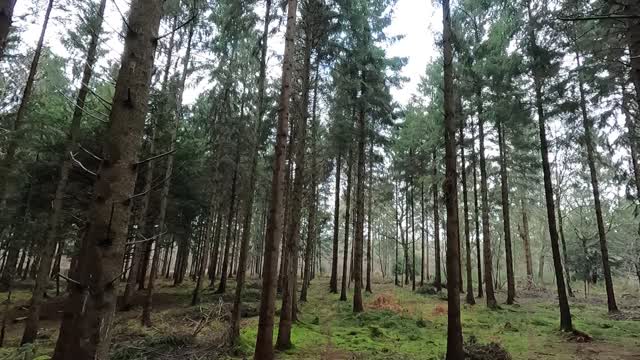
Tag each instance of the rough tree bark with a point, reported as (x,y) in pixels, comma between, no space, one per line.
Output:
(360,214)
(369,220)
(86,327)
(454,325)
(264,341)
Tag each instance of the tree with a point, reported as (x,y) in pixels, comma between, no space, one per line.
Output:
(264,341)
(454,326)
(85,330)
(42,279)
(6,14)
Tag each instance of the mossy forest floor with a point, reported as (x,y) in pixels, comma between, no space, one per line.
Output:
(397,324)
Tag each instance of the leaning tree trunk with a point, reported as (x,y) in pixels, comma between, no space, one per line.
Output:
(9,163)
(31,325)
(602,235)
(86,328)
(264,341)
(248,203)
(454,325)
(486,234)
(506,222)
(565,313)
(6,14)
(467,236)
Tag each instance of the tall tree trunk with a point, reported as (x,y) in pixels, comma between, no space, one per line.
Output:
(486,234)
(86,328)
(333,282)
(9,163)
(436,223)
(31,325)
(423,232)
(595,187)
(397,216)
(369,220)
(465,203)
(201,261)
(413,238)
(313,196)
(6,14)
(360,214)
(476,210)
(565,313)
(563,243)
(454,325)
(524,234)
(287,312)
(347,213)
(250,193)
(222,287)
(506,216)
(264,341)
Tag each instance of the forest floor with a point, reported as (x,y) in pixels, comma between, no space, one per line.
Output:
(397,324)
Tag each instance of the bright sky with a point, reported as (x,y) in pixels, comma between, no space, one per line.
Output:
(417,20)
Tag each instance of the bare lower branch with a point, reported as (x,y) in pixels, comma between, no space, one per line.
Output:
(80,164)
(193,17)
(90,153)
(601,17)
(68,279)
(155,157)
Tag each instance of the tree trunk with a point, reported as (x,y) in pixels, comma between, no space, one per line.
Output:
(524,234)
(333,282)
(413,238)
(454,325)
(467,236)
(313,197)
(486,234)
(506,216)
(423,232)
(436,223)
(595,187)
(85,331)
(397,216)
(347,213)
(248,214)
(369,220)
(476,210)
(9,163)
(287,312)
(222,287)
(31,325)
(264,341)
(6,14)
(360,214)
(565,313)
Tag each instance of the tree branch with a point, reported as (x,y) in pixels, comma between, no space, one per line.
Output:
(68,279)
(90,153)
(155,157)
(193,17)
(600,17)
(80,164)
